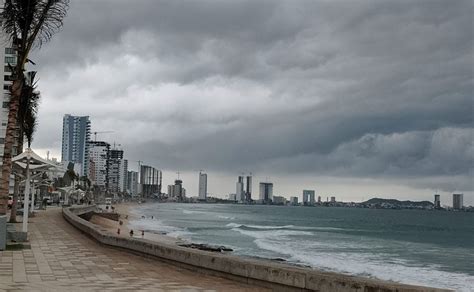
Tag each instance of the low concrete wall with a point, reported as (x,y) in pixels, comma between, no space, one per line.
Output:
(277,276)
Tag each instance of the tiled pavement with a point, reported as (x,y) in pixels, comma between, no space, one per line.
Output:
(63,259)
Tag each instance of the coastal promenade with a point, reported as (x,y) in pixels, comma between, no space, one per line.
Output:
(61,258)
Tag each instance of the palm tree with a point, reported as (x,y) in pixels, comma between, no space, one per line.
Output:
(26,120)
(28,23)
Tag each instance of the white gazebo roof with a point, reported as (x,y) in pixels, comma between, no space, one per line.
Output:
(35,159)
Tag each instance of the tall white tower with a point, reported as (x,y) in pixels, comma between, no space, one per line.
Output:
(202,186)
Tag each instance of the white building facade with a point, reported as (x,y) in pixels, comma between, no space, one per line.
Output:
(98,153)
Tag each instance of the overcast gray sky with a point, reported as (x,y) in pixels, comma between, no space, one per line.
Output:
(351,98)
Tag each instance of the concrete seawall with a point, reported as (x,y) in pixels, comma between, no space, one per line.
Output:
(277,276)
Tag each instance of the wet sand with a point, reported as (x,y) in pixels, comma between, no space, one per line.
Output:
(125,216)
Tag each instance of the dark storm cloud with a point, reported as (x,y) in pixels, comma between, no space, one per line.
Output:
(342,88)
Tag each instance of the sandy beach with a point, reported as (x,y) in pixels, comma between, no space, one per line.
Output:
(126,216)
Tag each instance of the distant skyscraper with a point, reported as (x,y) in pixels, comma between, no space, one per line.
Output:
(132,183)
(333,199)
(308,197)
(75,142)
(248,192)
(150,180)
(437,201)
(239,189)
(123,176)
(266,192)
(202,186)
(458,201)
(319,199)
(177,191)
(294,201)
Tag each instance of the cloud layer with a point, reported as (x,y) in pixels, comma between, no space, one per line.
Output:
(349,89)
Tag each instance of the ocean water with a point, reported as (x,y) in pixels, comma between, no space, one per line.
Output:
(431,248)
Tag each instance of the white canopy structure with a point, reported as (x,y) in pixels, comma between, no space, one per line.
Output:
(32,164)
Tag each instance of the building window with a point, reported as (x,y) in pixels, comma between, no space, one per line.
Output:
(7,69)
(6,87)
(8,78)
(5,104)
(10,51)
(4,124)
(2,140)
(10,60)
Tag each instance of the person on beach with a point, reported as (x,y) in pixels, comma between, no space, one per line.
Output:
(131,233)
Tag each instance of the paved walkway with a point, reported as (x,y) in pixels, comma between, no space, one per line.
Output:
(63,259)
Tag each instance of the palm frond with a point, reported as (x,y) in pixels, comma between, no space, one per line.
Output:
(28,109)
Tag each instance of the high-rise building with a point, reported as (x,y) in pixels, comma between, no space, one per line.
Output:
(333,199)
(132,183)
(308,197)
(150,181)
(319,199)
(202,186)
(248,190)
(177,191)
(123,176)
(437,201)
(99,155)
(239,189)
(458,201)
(75,142)
(266,192)
(115,158)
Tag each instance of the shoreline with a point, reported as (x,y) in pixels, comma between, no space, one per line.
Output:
(269,274)
(123,209)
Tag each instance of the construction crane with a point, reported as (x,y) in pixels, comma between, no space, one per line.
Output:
(100,132)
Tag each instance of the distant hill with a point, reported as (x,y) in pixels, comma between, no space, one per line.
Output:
(379,201)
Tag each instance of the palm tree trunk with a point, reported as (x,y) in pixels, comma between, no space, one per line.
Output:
(16,190)
(9,141)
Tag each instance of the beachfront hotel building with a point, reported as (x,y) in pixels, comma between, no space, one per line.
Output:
(458,201)
(308,197)
(202,186)
(99,154)
(266,192)
(75,142)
